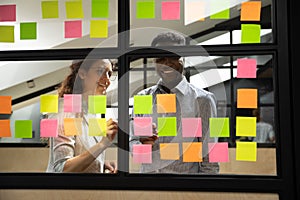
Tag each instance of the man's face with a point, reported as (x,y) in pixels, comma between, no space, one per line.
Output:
(169,68)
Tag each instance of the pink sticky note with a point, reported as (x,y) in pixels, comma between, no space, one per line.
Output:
(142,126)
(72,102)
(218,152)
(170,10)
(191,127)
(73,29)
(8,13)
(49,128)
(142,153)
(246,68)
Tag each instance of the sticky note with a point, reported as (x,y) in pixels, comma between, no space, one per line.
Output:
(145,9)
(247,98)
(100,8)
(194,11)
(49,103)
(166,103)
(246,68)
(246,126)
(23,129)
(170,10)
(166,126)
(142,153)
(7,13)
(192,151)
(191,127)
(73,29)
(218,152)
(219,127)
(169,151)
(250,33)
(72,126)
(50,9)
(97,104)
(49,128)
(7,34)
(72,103)
(142,104)
(28,31)
(5,104)
(250,11)
(99,29)
(246,151)
(5,128)
(97,127)
(74,9)
(143,126)
(225,14)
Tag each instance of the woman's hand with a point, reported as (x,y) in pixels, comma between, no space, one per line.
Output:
(111,131)
(111,167)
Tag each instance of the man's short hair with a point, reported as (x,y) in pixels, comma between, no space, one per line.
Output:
(169,37)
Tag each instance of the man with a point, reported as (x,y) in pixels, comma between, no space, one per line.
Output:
(190,102)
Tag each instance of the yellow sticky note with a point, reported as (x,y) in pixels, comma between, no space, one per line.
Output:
(246,151)
(97,127)
(246,126)
(99,29)
(50,9)
(247,98)
(7,34)
(166,103)
(72,126)
(250,11)
(74,9)
(192,151)
(169,151)
(49,103)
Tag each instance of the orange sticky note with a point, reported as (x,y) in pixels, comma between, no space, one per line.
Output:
(5,104)
(169,151)
(192,151)
(5,128)
(166,103)
(250,11)
(246,98)
(72,126)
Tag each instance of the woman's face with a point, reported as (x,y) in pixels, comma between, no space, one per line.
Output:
(96,79)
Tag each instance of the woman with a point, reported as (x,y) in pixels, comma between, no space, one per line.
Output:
(83,153)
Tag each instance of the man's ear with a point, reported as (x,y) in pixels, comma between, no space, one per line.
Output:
(81,73)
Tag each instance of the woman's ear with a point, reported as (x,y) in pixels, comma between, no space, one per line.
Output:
(81,73)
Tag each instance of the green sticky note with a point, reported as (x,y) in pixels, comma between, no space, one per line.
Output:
(74,9)
(166,126)
(142,104)
(7,34)
(28,31)
(23,129)
(97,127)
(219,127)
(97,104)
(50,9)
(99,29)
(246,126)
(250,33)
(225,14)
(246,151)
(49,103)
(145,9)
(100,8)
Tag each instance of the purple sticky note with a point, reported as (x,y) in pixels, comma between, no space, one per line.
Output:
(246,68)
(142,126)
(72,103)
(191,127)
(170,10)
(7,13)
(218,152)
(49,128)
(142,153)
(73,29)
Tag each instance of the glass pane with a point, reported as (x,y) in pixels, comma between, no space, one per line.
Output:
(66,107)
(58,24)
(202,22)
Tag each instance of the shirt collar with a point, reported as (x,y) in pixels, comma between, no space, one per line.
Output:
(181,86)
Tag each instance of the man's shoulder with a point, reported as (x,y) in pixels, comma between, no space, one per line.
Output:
(199,91)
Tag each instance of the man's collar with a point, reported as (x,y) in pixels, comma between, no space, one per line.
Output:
(181,86)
